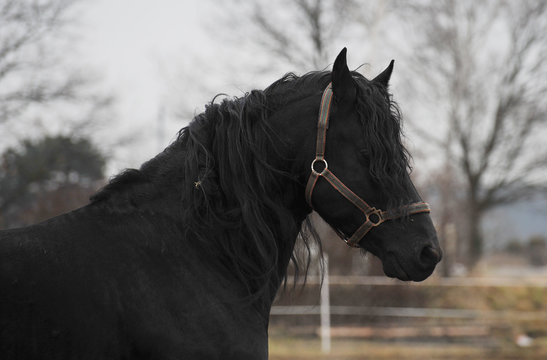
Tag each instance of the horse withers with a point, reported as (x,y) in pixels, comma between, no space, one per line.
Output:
(182,258)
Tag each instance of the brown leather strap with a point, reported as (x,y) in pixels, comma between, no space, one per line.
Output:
(346,192)
(310,186)
(415,208)
(320,143)
(353,241)
(323,123)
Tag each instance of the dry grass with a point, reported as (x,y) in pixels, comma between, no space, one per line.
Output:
(285,348)
(503,313)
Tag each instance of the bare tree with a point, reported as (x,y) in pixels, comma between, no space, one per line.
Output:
(25,25)
(485,64)
(34,79)
(313,30)
(302,35)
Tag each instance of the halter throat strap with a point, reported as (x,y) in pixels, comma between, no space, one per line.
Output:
(320,169)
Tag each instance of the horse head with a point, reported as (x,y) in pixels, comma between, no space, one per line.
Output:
(357,172)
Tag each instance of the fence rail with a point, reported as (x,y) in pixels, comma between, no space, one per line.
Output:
(409,312)
(539,281)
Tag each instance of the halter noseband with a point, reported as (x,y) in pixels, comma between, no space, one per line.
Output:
(373,216)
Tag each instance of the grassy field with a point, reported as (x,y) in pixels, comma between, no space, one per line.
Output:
(285,348)
(467,321)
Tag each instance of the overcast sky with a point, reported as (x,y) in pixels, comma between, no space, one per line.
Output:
(133,47)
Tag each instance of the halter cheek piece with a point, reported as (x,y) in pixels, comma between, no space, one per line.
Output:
(320,168)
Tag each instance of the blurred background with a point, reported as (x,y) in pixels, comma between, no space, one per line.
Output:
(88,88)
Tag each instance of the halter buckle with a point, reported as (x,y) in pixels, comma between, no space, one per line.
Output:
(376,218)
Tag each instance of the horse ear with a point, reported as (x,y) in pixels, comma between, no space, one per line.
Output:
(384,76)
(343,86)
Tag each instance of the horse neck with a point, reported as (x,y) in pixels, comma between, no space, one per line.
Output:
(230,186)
(241,194)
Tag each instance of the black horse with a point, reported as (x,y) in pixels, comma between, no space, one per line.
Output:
(182,258)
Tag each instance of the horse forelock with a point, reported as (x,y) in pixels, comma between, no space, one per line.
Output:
(381,121)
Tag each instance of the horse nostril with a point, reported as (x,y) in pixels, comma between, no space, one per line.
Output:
(430,256)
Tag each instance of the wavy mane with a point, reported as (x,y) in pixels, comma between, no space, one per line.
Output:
(234,137)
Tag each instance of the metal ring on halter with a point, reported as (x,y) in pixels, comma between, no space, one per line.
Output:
(322,171)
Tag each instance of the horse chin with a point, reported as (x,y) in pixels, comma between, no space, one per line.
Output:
(393,269)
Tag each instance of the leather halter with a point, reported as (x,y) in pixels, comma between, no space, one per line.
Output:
(373,216)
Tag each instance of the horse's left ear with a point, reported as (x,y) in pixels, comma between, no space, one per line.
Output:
(343,86)
(384,76)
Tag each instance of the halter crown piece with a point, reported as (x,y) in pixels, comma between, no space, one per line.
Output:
(320,168)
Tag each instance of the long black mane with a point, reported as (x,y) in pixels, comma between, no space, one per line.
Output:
(231,178)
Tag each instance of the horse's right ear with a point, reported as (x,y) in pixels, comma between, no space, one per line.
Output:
(343,86)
